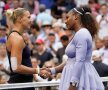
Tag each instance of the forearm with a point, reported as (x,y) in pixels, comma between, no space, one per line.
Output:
(60,67)
(25,70)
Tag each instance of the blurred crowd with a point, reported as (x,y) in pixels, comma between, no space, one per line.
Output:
(48,36)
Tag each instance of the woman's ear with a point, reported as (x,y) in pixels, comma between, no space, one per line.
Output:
(76,17)
(20,19)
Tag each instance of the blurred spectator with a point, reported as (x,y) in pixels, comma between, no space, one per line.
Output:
(16,3)
(45,29)
(58,28)
(3,20)
(4,63)
(43,16)
(71,5)
(101,68)
(2,4)
(58,7)
(8,5)
(104,50)
(61,51)
(94,7)
(2,40)
(98,43)
(46,3)
(33,18)
(36,7)
(102,19)
(62,19)
(46,26)
(42,54)
(81,2)
(3,32)
(102,1)
(28,4)
(52,43)
(35,32)
(63,16)
(49,64)
(35,64)
(96,55)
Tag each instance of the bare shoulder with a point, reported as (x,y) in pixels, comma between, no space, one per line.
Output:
(15,40)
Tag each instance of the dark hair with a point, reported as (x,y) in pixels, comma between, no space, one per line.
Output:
(35,26)
(64,38)
(51,34)
(104,4)
(87,19)
(42,7)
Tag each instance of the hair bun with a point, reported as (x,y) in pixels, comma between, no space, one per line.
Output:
(86,9)
(9,12)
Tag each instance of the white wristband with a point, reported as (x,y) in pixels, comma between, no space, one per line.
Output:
(38,70)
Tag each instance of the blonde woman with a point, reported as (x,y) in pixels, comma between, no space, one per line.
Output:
(18,50)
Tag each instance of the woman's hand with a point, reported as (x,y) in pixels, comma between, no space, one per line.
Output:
(45,73)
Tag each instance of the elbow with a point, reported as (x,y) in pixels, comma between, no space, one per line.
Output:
(15,69)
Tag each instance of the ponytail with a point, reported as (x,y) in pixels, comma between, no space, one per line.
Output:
(87,19)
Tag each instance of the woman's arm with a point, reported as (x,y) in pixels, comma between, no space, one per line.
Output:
(60,67)
(17,46)
(56,69)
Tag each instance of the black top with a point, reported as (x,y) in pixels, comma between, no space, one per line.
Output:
(101,68)
(45,56)
(60,53)
(17,77)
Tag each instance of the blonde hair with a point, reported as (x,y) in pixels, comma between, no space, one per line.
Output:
(17,13)
(8,14)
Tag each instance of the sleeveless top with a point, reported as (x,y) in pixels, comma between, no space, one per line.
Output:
(17,77)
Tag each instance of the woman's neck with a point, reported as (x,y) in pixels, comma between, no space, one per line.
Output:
(78,27)
(17,27)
